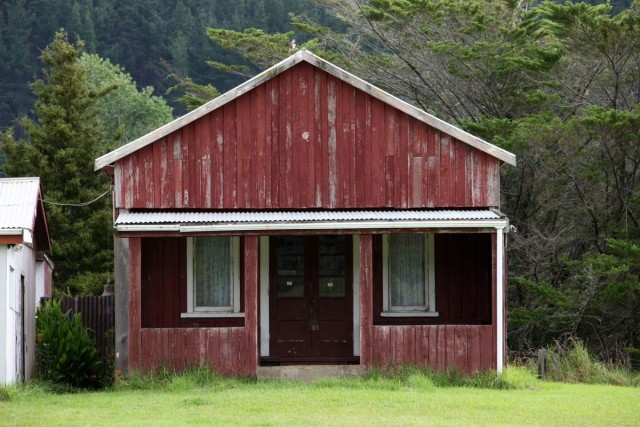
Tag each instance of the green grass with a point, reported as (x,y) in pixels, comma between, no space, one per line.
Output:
(406,397)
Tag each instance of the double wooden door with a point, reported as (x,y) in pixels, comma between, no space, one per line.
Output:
(311,298)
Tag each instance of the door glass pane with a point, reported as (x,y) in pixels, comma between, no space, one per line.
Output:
(290,287)
(290,267)
(290,245)
(331,244)
(332,287)
(332,265)
(406,270)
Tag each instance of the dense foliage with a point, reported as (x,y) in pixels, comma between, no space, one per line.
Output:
(149,38)
(60,145)
(125,112)
(65,353)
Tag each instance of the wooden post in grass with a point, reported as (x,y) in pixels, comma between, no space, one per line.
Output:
(542,363)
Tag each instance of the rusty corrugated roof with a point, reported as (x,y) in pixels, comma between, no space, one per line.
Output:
(18,202)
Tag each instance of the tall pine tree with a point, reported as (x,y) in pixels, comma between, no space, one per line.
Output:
(60,146)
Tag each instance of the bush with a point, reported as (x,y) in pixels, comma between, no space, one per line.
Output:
(572,363)
(6,394)
(65,353)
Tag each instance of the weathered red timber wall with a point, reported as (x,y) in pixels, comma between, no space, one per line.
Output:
(464,340)
(225,350)
(305,139)
(463,281)
(164,286)
(468,348)
(159,339)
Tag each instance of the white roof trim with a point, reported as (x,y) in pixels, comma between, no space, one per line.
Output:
(196,222)
(11,231)
(333,225)
(305,55)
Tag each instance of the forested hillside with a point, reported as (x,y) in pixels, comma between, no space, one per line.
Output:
(149,38)
(142,36)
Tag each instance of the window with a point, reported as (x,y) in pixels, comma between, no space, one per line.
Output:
(213,277)
(408,275)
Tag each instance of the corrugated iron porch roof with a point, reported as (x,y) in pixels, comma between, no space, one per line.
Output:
(190,222)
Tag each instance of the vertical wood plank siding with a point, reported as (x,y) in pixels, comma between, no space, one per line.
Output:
(463,277)
(227,345)
(225,350)
(305,139)
(468,348)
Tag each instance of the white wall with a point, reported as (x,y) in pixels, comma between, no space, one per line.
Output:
(40,280)
(16,261)
(5,347)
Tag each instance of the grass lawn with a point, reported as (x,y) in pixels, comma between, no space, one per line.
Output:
(375,401)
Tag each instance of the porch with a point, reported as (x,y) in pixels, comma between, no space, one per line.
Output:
(290,312)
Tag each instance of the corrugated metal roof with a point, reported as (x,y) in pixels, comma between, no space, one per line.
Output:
(18,202)
(301,217)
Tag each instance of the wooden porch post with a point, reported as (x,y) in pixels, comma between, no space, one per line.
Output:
(366,300)
(251,283)
(135,245)
(500,324)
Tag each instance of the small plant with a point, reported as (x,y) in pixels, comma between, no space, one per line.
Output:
(65,353)
(6,394)
(172,380)
(424,378)
(572,363)
(634,357)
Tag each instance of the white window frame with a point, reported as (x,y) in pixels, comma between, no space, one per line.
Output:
(228,311)
(427,310)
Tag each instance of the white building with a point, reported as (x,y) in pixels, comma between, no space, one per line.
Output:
(25,274)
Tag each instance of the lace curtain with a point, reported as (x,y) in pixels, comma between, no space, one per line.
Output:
(406,270)
(212,271)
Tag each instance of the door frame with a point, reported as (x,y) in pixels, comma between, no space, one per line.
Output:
(263,306)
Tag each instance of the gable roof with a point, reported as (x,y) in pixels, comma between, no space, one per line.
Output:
(18,201)
(305,55)
(22,210)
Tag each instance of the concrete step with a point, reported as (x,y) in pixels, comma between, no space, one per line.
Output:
(308,372)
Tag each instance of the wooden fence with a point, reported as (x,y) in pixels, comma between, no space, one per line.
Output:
(98,316)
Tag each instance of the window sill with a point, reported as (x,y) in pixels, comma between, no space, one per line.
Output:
(209,314)
(409,314)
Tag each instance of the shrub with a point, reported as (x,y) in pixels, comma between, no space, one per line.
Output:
(6,394)
(65,353)
(572,363)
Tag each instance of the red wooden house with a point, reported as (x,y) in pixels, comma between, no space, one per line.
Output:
(308,217)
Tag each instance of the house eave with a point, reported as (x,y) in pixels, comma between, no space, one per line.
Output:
(313,226)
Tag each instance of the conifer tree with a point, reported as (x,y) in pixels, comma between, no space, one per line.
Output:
(60,146)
